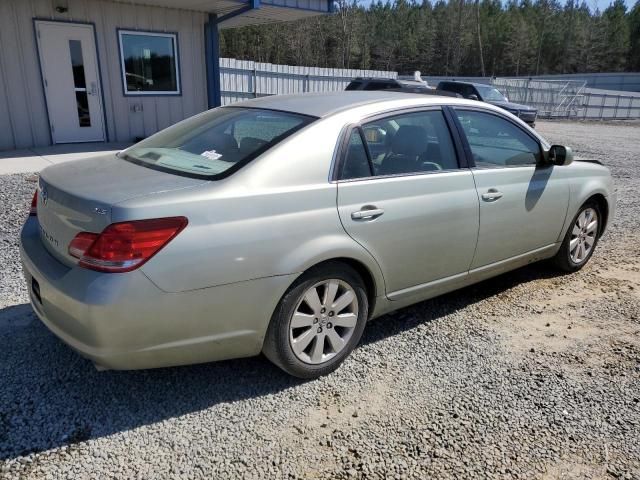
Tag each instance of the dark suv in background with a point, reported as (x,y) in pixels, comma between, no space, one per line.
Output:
(396,85)
(373,83)
(489,94)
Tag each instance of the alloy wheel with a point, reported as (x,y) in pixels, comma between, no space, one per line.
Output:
(323,321)
(583,235)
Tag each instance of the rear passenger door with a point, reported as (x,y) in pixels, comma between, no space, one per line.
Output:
(523,202)
(403,195)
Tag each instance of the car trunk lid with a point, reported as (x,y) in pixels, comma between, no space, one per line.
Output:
(77,197)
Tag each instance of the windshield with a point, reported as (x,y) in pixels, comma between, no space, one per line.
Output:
(216,143)
(490,94)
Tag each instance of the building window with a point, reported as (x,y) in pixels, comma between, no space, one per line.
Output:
(149,63)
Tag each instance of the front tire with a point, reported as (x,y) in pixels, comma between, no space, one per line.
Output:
(318,322)
(581,239)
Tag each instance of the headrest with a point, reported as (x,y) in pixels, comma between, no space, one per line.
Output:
(410,140)
(250,144)
(223,142)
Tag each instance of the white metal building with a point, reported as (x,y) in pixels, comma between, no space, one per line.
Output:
(105,70)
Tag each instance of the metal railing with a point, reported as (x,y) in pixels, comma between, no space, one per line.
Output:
(569,99)
(241,80)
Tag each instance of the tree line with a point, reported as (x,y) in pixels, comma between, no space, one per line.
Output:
(455,37)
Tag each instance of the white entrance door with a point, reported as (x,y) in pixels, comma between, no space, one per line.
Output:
(72,85)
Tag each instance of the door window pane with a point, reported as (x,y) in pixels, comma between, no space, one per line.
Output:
(356,162)
(410,143)
(77,63)
(79,83)
(495,141)
(82,102)
(149,63)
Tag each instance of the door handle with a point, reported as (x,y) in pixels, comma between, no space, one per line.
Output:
(94,88)
(492,195)
(368,212)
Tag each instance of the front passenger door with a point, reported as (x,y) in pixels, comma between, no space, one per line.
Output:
(523,203)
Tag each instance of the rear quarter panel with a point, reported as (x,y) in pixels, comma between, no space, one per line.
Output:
(276,216)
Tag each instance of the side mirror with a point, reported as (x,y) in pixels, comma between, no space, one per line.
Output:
(473,96)
(560,155)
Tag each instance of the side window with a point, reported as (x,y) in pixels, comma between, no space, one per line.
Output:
(467,90)
(496,142)
(356,162)
(451,87)
(412,143)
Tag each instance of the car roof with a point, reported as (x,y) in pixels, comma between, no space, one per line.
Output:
(323,104)
(475,84)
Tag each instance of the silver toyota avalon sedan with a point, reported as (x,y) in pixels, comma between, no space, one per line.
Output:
(283,224)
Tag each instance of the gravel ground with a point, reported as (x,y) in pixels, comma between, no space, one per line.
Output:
(529,375)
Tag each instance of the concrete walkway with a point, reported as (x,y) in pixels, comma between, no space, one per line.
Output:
(35,159)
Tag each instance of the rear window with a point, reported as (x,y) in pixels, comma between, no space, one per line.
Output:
(216,143)
(354,85)
(380,85)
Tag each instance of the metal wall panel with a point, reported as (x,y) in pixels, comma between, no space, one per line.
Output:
(23,115)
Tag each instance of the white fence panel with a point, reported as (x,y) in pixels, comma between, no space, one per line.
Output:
(244,79)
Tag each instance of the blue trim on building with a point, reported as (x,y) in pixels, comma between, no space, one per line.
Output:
(44,93)
(212,50)
(212,60)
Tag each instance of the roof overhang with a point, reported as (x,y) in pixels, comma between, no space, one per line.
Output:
(268,11)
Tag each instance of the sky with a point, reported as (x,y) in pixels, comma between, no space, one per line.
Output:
(593,4)
(602,4)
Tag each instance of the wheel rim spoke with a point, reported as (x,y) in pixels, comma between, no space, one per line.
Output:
(301,320)
(313,300)
(347,320)
(588,241)
(591,228)
(341,303)
(318,349)
(302,342)
(336,341)
(576,230)
(573,244)
(582,219)
(330,292)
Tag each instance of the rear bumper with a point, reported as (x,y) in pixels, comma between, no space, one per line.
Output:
(123,321)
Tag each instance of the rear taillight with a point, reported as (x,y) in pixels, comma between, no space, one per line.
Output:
(34,205)
(81,243)
(125,246)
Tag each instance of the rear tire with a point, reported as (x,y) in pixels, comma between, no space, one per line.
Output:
(318,322)
(580,240)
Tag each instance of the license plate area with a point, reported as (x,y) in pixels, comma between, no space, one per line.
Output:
(35,290)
